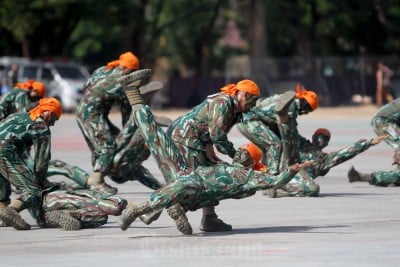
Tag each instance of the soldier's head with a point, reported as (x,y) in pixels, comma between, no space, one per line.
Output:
(37,90)
(307,100)
(249,155)
(127,61)
(321,138)
(49,109)
(247,92)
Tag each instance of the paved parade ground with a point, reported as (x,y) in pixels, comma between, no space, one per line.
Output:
(348,225)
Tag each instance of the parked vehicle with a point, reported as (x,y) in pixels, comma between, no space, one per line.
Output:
(63,80)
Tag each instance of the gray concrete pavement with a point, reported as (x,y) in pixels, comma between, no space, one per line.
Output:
(348,225)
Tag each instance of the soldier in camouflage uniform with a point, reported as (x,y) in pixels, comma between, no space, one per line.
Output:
(303,184)
(378,178)
(206,126)
(21,98)
(190,188)
(86,208)
(16,132)
(102,91)
(126,166)
(262,125)
(385,121)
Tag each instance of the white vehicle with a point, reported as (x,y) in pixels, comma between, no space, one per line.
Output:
(63,80)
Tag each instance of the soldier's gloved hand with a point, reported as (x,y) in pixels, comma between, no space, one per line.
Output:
(210,154)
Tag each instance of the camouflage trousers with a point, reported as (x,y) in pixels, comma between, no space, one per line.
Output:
(121,171)
(15,169)
(74,173)
(382,126)
(90,207)
(131,151)
(100,137)
(386,178)
(206,184)
(119,154)
(302,185)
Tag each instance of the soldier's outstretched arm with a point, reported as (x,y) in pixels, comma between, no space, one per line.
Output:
(335,158)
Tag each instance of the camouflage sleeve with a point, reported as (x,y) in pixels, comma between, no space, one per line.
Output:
(41,142)
(125,135)
(335,158)
(257,113)
(22,102)
(4,102)
(125,109)
(2,113)
(218,128)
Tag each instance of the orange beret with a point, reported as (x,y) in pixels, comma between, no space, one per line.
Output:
(310,96)
(256,154)
(39,87)
(127,59)
(247,86)
(46,104)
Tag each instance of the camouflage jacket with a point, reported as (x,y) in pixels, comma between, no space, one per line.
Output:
(390,112)
(209,122)
(264,111)
(102,91)
(17,131)
(16,100)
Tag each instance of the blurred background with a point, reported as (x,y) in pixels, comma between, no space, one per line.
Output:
(195,47)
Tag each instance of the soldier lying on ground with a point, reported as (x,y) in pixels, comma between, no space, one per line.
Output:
(303,184)
(385,121)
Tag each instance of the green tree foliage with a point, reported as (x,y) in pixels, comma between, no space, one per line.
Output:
(189,32)
(325,28)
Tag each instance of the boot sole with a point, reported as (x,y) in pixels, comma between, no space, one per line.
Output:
(11,217)
(178,215)
(148,91)
(284,101)
(63,220)
(134,76)
(151,88)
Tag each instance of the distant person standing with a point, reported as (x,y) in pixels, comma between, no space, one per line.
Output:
(12,75)
(383,83)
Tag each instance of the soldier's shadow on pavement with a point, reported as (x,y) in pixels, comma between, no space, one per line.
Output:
(277,229)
